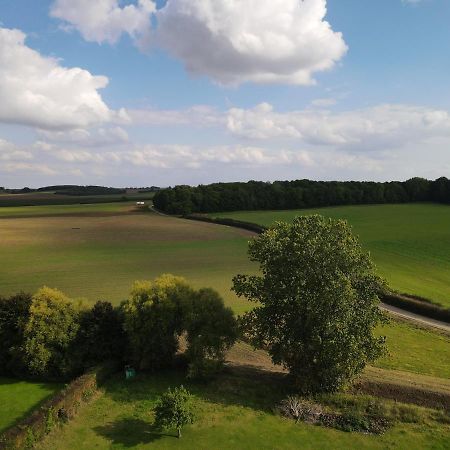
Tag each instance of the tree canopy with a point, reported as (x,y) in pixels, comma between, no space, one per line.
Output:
(174,409)
(258,195)
(317,303)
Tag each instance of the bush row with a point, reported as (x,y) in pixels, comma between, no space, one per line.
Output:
(414,305)
(60,408)
(228,222)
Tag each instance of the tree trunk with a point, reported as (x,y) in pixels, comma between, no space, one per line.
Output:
(179,433)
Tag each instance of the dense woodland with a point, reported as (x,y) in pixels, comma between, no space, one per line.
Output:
(256,195)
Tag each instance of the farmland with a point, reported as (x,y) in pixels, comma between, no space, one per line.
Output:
(410,243)
(95,252)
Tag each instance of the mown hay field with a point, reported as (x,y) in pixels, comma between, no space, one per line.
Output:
(95,252)
(410,243)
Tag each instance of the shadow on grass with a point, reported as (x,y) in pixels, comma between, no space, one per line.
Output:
(239,386)
(130,432)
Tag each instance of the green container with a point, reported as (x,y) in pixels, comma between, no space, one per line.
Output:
(130,373)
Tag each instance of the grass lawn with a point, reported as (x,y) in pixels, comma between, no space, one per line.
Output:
(97,251)
(232,412)
(19,398)
(409,243)
(415,349)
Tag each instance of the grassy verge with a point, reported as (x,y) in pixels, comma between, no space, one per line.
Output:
(19,398)
(415,349)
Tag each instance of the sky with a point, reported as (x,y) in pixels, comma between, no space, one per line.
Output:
(166,92)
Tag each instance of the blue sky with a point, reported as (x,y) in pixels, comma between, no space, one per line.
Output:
(196,91)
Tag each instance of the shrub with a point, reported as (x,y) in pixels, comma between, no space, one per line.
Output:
(174,409)
(298,409)
(352,418)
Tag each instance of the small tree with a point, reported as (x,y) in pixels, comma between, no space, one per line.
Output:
(174,409)
(317,301)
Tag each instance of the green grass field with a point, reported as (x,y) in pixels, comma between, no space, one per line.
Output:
(226,419)
(96,251)
(18,398)
(415,349)
(409,243)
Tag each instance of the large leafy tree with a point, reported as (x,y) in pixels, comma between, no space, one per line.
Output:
(14,314)
(153,319)
(174,409)
(211,330)
(317,303)
(50,330)
(100,336)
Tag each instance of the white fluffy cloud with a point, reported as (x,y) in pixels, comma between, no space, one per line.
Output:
(367,129)
(104,20)
(262,41)
(37,91)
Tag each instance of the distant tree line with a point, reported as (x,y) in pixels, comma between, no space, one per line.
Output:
(50,337)
(68,189)
(256,195)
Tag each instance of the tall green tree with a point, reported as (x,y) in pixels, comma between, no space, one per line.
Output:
(174,409)
(317,303)
(153,319)
(14,315)
(51,328)
(211,331)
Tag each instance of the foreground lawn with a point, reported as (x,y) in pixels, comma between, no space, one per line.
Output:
(409,243)
(232,412)
(19,398)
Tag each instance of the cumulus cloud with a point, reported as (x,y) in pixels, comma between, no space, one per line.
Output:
(36,90)
(365,129)
(104,20)
(172,156)
(262,41)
